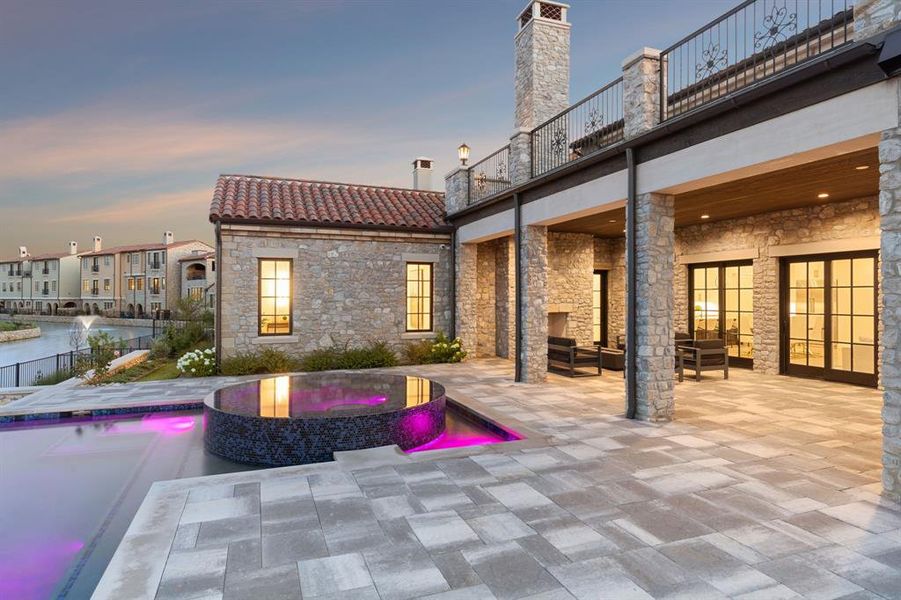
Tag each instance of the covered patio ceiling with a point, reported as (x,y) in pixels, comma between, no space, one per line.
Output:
(843,177)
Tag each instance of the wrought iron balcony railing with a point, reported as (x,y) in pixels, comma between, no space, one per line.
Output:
(753,41)
(582,129)
(490,176)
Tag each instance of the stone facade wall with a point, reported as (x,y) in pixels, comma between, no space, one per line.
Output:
(486,299)
(541,74)
(505,288)
(349,285)
(641,96)
(466,313)
(858,218)
(875,16)
(534,279)
(570,258)
(890,213)
(610,255)
(654,346)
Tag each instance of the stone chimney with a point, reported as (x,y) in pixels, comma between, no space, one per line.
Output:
(98,243)
(73,248)
(168,237)
(23,252)
(542,63)
(422,173)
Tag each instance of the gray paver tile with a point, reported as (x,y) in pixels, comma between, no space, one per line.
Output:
(501,527)
(596,579)
(223,508)
(477,592)
(276,583)
(442,530)
(194,573)
(292,546)
(331,574)
(403,572)
(509,571)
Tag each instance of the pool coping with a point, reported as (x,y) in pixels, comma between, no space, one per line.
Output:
(136,568)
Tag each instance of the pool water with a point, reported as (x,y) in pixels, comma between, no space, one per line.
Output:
(69,490)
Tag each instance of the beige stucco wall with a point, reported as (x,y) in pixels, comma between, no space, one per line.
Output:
(349,285)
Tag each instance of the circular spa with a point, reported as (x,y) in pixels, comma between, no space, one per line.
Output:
(291,420)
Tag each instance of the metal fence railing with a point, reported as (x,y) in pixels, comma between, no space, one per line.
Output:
(490,176)
(753,41)
(585,127)
(57,367)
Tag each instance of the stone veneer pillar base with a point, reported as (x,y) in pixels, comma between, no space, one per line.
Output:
(533,278)
(466,318)
(653,350)
(890,224)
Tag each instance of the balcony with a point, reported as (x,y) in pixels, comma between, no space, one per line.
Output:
(95,268)
(95,292)
(753,42)
(155,266)
(45,292)
(45,271)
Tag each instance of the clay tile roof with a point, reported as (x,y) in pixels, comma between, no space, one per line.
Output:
(246,198)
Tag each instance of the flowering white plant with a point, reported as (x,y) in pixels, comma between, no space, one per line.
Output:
(198,363)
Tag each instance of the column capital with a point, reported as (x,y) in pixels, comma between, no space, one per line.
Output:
(641,97)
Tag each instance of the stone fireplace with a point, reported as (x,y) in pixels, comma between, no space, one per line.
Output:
(558,319)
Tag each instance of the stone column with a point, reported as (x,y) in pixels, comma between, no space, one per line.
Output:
(872,17)
(652,349)
(505,289)
(890,225)
(521,156)
(456,190)
(641,95)
(533,277)
(466,323)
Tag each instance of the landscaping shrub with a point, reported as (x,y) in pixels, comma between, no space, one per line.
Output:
(53,378)
(377,354)
(14,326)
(269,360)
(440,350)
(198,363)
(160,348)
(103,352)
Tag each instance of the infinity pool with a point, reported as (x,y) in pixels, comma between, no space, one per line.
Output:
(69,490)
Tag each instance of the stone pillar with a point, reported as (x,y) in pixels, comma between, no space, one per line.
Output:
(486,299)
(890,225)
(541,75)
(652,349)
(456,190)
(521,156)
(872,17)
(641,92)
(505,290)
(533,264)
(466,323)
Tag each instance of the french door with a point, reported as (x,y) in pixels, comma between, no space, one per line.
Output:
(599,307)
(829,317)
(722,307)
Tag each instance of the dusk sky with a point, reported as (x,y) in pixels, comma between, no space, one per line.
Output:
(116,117)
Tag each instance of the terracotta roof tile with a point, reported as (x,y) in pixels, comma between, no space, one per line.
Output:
(249,198)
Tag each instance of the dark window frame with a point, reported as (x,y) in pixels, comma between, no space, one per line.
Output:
(431,309)
(290,262)
(720,265)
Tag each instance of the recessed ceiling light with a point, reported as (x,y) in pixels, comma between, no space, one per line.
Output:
(612,221)
(862,167)
(705,216)
(822,195)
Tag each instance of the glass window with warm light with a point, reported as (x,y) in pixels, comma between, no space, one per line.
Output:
(275,297)
(419,297)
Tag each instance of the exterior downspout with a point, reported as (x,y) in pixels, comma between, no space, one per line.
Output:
(517,243)
(217,324)
(632,282)
(453,285)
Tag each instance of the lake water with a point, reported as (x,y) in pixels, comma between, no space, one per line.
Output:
(55,339)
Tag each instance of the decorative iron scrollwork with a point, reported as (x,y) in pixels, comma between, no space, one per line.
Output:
(501,171)
(558,141)
(594,121)
(713,59)
(481,181)
(775,25)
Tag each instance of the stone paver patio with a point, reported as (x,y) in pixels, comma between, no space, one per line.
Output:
(764,487)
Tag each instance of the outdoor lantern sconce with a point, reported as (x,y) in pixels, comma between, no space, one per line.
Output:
(463,153)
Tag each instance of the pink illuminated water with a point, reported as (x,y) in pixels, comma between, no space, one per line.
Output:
(33,572)
(460,432)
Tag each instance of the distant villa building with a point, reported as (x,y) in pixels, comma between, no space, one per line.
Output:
(43,283)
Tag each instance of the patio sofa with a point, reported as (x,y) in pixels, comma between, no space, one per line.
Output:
(563,355)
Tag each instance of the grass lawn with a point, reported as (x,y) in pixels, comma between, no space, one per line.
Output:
(150,370)
(165,370)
